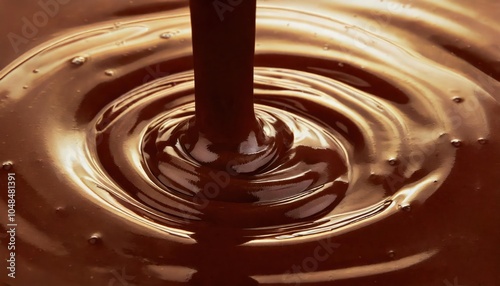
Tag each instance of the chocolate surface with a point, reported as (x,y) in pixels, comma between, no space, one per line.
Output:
(379,166)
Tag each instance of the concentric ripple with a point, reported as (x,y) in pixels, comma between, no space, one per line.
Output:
(389,124)
(303,180)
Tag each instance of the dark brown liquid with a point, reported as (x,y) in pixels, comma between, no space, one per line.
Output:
(223,49)
(225,130)
(378,166)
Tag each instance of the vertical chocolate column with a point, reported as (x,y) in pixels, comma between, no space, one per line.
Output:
(223,47)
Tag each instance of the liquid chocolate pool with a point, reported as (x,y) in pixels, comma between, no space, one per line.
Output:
(379,166)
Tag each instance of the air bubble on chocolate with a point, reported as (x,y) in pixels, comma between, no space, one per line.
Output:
(78,61)
(166,35)
(405,207)
(482,141)
(456,143)
(95,239)
(7,165)
(391,253)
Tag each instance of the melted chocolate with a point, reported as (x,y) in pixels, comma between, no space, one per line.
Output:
(368,159)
